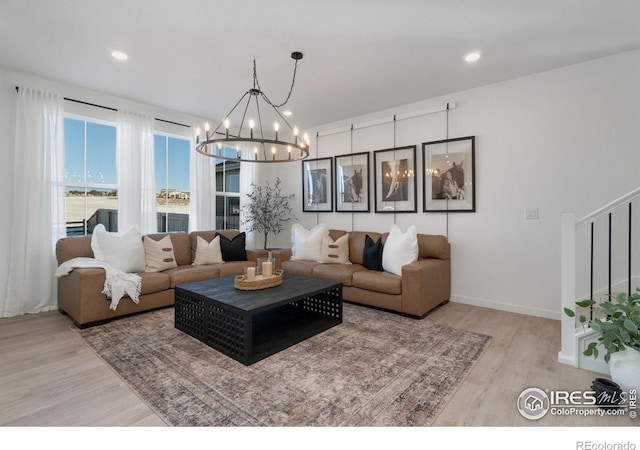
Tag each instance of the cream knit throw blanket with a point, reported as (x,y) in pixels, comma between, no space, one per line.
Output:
(116,284)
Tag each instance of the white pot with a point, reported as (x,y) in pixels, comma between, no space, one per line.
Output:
(625,368)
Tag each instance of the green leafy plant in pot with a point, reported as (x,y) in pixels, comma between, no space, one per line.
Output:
(267,210)
(618,334)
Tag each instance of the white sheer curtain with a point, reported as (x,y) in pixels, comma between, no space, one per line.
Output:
(247,176)
(136,173)
(202,209)
(37,207)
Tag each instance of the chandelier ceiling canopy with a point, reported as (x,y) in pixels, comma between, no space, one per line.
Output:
(246,140)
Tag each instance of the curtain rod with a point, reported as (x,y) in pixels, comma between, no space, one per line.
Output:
(113,109)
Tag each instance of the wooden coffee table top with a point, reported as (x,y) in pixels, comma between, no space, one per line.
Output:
(293,287)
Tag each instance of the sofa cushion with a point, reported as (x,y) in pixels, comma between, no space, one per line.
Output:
(307,244)
(158,255)
(234,268)
(191,274)
(335,252)
(207,252)
(73,247)
(400,249)
(371,280)
(154,282)
(372,254)
(124,251)
(433,246)
(299,267)
(340,273)
(356,244)
(233,249)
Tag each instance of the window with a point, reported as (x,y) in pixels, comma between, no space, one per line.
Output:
(172,182)
(228,193)
(91,185)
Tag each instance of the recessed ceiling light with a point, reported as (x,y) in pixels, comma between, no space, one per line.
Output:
(120,56)
(472,57)
(287,113)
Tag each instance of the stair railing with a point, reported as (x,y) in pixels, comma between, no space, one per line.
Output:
(570,352)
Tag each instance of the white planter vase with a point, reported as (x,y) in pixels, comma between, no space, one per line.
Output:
(625,368)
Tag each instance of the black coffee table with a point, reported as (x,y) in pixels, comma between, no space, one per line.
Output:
(249,326)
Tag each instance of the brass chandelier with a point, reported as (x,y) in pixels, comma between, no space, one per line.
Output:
(251,144)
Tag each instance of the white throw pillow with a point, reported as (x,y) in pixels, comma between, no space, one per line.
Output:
(400,249)
(124,251)
(207,252)
(336,252)
(159,255)
(307,243)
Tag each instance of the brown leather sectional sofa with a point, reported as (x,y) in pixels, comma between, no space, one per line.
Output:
(80,293)
(424,284)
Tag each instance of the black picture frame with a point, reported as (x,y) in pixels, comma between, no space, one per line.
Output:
(352,191)
(448,168)
(395,186)
(317,185)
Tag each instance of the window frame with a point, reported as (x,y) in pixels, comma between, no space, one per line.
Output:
(86,186)
(167,135)
(226,194)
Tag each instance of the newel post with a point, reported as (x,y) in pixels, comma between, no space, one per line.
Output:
(568,354)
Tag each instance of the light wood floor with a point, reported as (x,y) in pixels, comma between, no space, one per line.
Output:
(49,377)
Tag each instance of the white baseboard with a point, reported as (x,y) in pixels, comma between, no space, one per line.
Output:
(537,312)
(567,359)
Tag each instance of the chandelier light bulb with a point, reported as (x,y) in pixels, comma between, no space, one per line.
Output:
(206,126)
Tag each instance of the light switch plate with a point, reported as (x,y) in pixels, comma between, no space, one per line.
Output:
(531,213)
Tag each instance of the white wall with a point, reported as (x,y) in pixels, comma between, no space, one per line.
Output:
(563,141)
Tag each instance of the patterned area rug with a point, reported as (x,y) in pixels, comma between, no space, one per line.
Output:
(375,369)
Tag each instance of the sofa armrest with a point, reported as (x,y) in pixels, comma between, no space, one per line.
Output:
(280,255)
(254,253)
(80,293)
(425,284)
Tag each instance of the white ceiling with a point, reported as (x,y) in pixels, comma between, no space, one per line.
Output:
(195,56)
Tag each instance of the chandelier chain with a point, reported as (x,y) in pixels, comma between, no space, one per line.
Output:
(257,83)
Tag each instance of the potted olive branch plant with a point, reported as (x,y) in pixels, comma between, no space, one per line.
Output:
(267,210)
(618,334)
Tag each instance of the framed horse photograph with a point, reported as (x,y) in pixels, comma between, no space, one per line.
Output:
(317,185)
(448,168)
(395,183)
(352,182)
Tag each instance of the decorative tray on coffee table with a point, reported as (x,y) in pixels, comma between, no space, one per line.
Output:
(259,282)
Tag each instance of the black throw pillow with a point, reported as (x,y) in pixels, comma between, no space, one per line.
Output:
(372,254)
(233,249)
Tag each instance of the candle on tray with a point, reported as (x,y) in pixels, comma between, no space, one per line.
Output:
(267,269)
(251,273)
